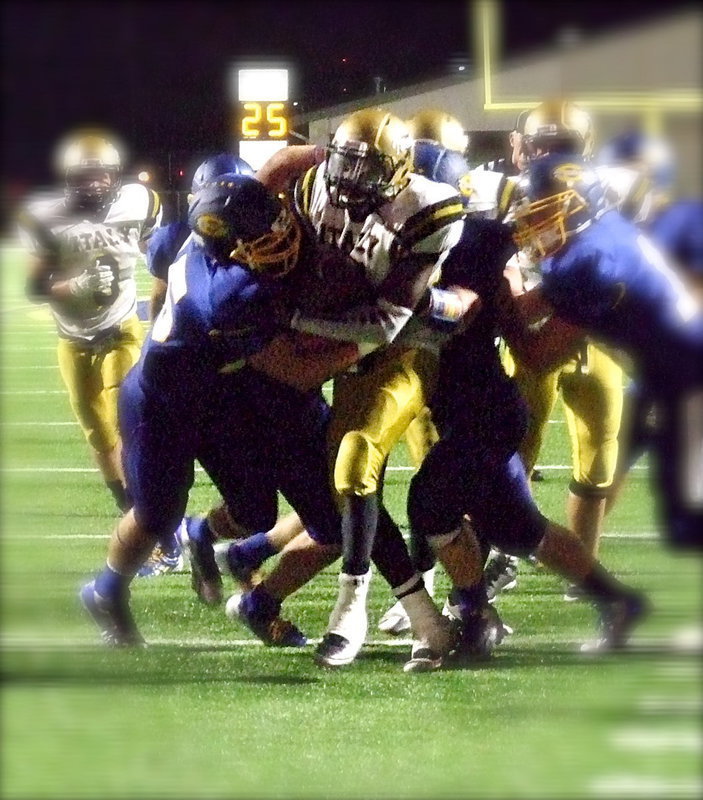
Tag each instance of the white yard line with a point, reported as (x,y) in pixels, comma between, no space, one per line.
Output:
(38,470)
(639,787)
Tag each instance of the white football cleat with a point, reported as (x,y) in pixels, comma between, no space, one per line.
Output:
(348,623)
(395,621)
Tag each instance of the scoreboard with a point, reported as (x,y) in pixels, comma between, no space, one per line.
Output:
(261,112)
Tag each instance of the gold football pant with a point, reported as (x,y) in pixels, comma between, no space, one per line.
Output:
(93,373)
(591,386)
(420,435)
(372,409)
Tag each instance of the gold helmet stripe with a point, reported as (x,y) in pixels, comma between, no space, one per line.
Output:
(303,191)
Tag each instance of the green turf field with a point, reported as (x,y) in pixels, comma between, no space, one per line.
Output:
(206,711)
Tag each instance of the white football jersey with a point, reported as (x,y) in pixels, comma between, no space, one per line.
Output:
(425,217)
(71,243)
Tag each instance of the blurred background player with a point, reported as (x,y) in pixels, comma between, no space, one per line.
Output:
(638,170)
(85,243)
(589,381)
(599,272)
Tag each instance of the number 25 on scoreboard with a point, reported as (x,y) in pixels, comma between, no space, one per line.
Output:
(264,120)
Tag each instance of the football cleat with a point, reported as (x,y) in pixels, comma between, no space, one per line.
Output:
(348,623)
(395,621)
(205,577)
(229,562)
(336,650)
(479,634)
(161,563)
(113,618)
(272,629)
(423,659)
(574,593)
(500,575)
(617,619)
(429,651)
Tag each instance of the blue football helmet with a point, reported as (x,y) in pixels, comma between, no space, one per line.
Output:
(216,165)
(562,195)
(238,221)
(649,154)
(441,165)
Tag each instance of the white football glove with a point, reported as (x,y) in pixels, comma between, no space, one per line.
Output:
(97,279)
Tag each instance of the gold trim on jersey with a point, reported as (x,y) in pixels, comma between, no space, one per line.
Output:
(425,222)
(152,209)
(506,191)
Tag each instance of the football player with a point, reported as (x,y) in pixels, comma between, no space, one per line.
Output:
(85,243)
(217,381)
(439,145)
(167,240)
(601,273)
(161,251)
(590,381)
(638,172)
(397,227)
(471,490)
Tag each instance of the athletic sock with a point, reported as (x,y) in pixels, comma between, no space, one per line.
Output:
(359,521)
(262,602)
(599,584)
(390,553)
(469,600)
(111,584)
(253,550)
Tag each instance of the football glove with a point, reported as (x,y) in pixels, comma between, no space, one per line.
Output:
(97,279)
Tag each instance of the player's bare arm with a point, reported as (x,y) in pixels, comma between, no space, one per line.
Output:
(287,164)
(543,348)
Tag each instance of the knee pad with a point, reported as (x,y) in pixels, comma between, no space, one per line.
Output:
(586,491)
(520,537)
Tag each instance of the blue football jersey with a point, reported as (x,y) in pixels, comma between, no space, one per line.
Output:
(163,246)
(614,282)
(213,318)
(678,230)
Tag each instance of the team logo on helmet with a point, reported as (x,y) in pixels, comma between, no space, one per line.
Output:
(212,225)
(568,174)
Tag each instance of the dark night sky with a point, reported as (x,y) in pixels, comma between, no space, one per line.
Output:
(154,71)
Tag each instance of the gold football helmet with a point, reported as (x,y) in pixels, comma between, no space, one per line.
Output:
(368,161)
(558,126)
(92,167)
(437,126)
